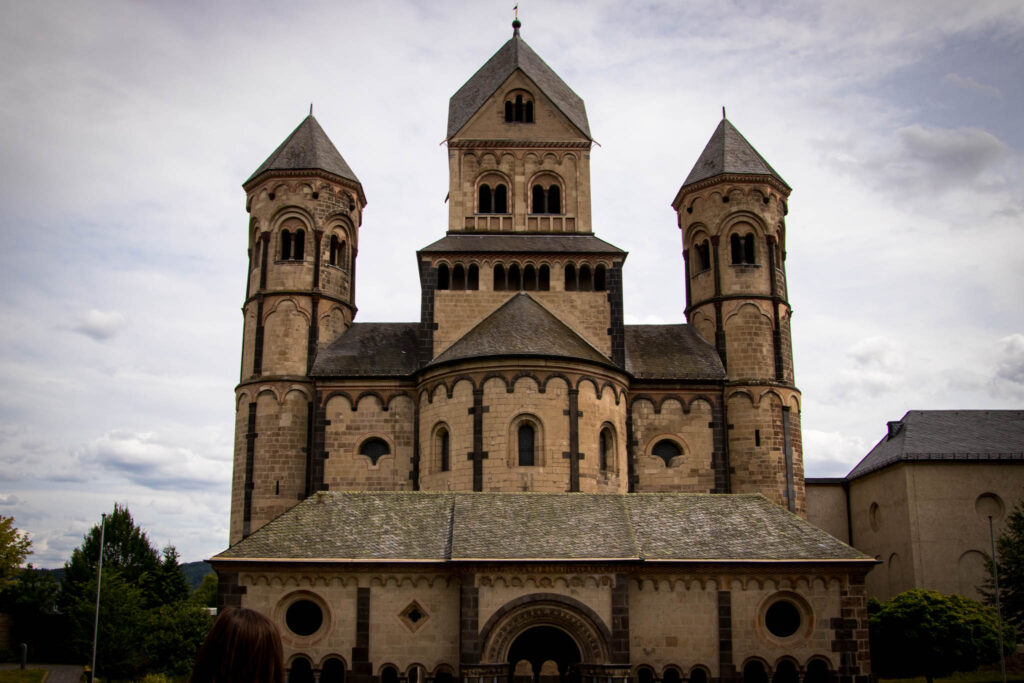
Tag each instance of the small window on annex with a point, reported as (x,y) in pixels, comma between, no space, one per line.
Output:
(374,448)
(442,442)
(527,437)
(666,449)
(606,449)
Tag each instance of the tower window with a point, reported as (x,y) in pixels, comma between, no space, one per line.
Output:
(526,436)
(443,446)
(500,283)
(544,280)
(570,278)
(546,200)
(599,279)
(529,278)
(703,252)
(374,449)
(286,245)
(519,110)
(492,199)
(742,249)
(293,245)
(666,450)
(336,257)
(607,449)
(458,277)
(514,282)
(473,277)
(586,279)
(443,277)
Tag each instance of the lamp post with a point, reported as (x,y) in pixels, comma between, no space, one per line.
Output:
(99,578)
(999,612)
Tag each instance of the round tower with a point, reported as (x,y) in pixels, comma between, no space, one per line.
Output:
(305,206)
(731,211)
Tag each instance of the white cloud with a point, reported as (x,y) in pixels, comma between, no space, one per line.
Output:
(100,325)
(971,84)
(154,462)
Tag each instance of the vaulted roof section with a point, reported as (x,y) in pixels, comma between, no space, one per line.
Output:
(515,54)
(307,149)
(424,526)
(729,152)
(521,327)
(947,435)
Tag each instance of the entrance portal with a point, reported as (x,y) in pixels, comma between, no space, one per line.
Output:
(543,654)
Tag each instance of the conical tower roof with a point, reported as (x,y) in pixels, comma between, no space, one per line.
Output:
(515,54)
(729,152)
(308,148)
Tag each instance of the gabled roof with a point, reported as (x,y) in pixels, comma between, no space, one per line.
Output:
(371,350)
(466,527)
(950,435)
(521,243)
(515,54)
(729,152)
(671,352)
(307,148)
(521,327)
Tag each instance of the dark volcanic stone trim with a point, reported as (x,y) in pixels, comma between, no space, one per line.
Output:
(686,276)
(414,475)
(573,454)
(428,282)
(469,619)
(318,452)
(263,259)
(720,444)
(726,665)
(362,668)
(250,456)
(631,476)
(618,328)
(229,593)
(314,334)
(257,350)
(787,451)
(478,455)
(620,621)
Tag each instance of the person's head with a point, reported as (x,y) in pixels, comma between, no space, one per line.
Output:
(243,645)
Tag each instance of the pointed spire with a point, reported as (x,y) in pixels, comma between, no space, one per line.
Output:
(729,152)
(308,148)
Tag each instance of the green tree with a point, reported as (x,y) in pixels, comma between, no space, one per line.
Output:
(928,633)
(1010,550)
(119,646)
(15,546)
(174,633)
(206,594)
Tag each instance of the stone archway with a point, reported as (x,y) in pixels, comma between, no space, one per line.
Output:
(551,654)
(575,631)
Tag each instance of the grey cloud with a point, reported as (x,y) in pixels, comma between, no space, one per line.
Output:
(971,84)
(147,460)
(100,325)
(1009,370)
(950,155)
(7,500)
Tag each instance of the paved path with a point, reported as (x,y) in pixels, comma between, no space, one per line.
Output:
(59,673)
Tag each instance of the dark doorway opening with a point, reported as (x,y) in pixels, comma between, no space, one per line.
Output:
(543,654)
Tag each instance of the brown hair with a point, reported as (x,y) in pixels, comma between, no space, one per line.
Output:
(243,645)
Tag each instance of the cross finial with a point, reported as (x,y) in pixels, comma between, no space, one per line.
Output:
(723,112)
(515,21)
(310,108)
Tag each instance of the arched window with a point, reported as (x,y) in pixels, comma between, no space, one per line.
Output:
(538,201)
(389,674)
(599,278)
(671,675)
(554,199)
(607,449)
(332,671)
(519,109)
(526,438)
(529,278)
(256,254)
(458,277)
(570,278)
(500,199)
(742,249)
(286,245)
(698,675)
(514,282)
(301,671)
(666,450)
(586,280)
(754,672)
(485,205)
(443,277)
(332,258)
(702,254)
(500,284)
(492,199)
(544,281)
(298,245)
(374,448)
(785,672)
(645,675)
(443,448)
(817,672)
(473,277)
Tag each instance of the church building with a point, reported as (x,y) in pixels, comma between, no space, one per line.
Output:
(519,485)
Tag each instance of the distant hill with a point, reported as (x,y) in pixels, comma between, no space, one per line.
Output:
(193,571)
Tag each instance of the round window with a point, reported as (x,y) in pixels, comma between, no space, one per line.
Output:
(783,619)
(304,617)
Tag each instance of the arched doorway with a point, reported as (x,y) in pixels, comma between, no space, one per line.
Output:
(562,627)
(550,653)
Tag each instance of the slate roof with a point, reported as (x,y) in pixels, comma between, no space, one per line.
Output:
(454,527)
(371,350)
(523,243)
(307,148)
(515,54)
(729,152)
(670,352)
(948,435)
(521,327)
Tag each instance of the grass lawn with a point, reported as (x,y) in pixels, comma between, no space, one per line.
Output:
(22,676)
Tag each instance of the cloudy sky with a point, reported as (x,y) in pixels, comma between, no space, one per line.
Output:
(127,128)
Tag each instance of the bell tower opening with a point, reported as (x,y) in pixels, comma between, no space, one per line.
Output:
(544,654)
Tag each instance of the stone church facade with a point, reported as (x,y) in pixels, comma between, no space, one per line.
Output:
(519,485)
